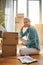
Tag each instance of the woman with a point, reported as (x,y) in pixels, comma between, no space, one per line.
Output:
(31,41)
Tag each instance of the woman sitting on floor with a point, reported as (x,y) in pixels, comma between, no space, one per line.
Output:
(31,41)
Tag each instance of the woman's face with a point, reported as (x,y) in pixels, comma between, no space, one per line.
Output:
(26,22)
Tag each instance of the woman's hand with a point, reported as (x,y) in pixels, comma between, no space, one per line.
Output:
(22,44)
(24,26)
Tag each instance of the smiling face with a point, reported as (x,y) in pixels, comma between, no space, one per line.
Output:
(26,22)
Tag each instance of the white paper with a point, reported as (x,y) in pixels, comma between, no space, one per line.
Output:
(26,59)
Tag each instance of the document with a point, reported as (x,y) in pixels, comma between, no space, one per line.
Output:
(26,59)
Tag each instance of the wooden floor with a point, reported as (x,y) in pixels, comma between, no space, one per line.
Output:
(12,60)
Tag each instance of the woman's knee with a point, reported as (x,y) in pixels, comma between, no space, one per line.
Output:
(23,51)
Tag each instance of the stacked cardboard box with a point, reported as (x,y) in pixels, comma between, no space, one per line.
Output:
(19,21)
(10,41)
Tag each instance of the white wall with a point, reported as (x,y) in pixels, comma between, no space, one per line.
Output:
(34,12)
(22,7)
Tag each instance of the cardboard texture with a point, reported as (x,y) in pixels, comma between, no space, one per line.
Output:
(19,21)
(39,28)
(10,38)
(9,50)
(9,45)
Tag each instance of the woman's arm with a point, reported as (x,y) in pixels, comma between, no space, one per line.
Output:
(23,33)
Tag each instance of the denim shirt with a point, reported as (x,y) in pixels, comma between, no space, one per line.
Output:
(33,39)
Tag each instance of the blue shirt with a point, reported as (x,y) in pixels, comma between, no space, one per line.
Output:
(33,39)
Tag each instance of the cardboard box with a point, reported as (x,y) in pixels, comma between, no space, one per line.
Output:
(19,21)
(10,38)
(9,44)
(9,50)
(39,28)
